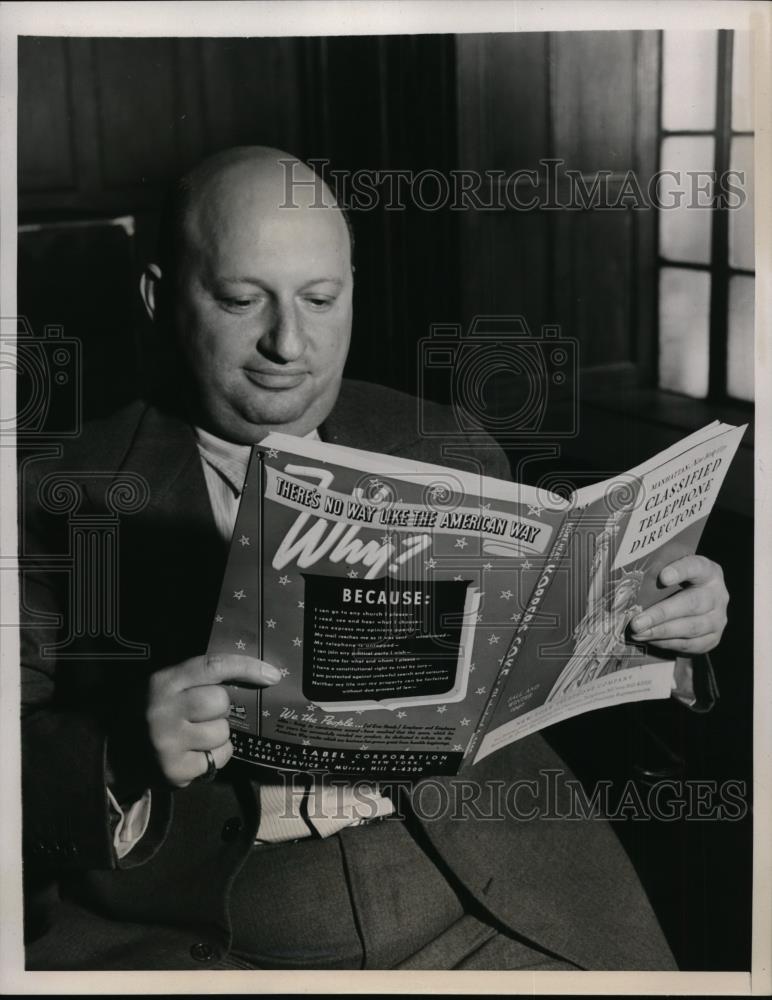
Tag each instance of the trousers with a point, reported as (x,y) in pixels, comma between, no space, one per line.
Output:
(369,897)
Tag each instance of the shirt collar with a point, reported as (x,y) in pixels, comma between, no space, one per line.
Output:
(228,459)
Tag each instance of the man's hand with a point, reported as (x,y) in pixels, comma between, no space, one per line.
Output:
(188,708)
(692,621)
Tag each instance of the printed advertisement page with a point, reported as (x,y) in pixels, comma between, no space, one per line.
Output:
(384,592)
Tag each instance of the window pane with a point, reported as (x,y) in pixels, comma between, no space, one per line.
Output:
(739,374)
(684,298)
(741,219)
(742,88)
(689,79)
(685,198)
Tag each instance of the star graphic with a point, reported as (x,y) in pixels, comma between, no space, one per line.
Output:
(244,540)
(465,722)
(352,574)
(430,563)
(306,743)
(385,539)
(359,711)
(458,747)
(365,746)
(461,543)
(239,594)
(401,715)
(479,616)
(310,708)
(240,644)
(301,604)
(515,617)
(457,578)
(442,708)
(472,668)
(297,641)
(486,506)
(273,453)
(284,672)
(504,671)
(488,566)
(270,623)
(525,564)
(535,511)
(480,691)
(376,483)
(218,618)
(506,595)
(492,640)
(265,713)
(284,580)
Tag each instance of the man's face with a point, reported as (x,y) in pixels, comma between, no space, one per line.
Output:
(263,311)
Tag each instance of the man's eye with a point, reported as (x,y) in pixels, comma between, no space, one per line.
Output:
(236,304)
(319,301)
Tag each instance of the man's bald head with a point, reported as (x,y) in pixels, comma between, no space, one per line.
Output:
(256,282)
(270,178)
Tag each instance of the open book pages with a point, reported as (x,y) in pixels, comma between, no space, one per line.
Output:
(422,617)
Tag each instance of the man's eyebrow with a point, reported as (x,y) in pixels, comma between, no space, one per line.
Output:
(245,280)
(324,281)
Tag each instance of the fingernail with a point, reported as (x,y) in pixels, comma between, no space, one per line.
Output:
(271,674)
(641,623)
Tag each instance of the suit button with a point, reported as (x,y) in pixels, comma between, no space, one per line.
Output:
(203,952)
(232,828)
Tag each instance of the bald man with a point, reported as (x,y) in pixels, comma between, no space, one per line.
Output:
(132,860)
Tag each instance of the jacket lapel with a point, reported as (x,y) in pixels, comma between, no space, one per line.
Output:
(171,554)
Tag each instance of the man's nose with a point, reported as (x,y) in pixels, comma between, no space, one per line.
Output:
(283,340)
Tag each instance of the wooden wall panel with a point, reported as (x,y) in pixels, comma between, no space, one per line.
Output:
(249,92)
(138,109)
(594,284)
(45,147)
(592,83)
(504,265)
(588,99)
(503,100)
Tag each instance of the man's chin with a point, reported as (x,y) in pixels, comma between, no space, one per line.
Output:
(287,413)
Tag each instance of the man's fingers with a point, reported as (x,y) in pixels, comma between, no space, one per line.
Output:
(691,647)
(206,735)
(194,764)
(693,601)
(691,569)
(678,628)
(220,669)
(206,702)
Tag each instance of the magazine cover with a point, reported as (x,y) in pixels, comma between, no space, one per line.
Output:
(385,592)
(573,652)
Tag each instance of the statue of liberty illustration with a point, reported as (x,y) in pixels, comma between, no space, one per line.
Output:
(600,646)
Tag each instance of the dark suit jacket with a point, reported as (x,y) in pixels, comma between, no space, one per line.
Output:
(566,885)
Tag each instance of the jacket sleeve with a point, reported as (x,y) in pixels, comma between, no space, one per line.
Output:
(67,726)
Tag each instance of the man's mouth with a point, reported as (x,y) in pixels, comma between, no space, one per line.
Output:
(276,380)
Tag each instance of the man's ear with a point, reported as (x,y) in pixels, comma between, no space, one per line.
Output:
(149,288)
